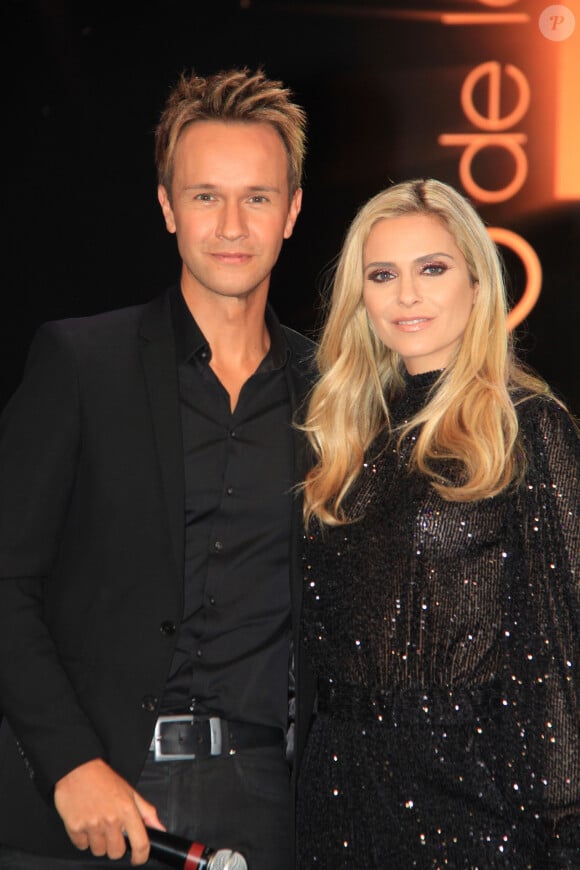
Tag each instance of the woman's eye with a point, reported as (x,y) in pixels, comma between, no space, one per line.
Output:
(379,276)
(434,268)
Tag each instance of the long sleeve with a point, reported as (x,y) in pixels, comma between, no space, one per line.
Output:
(39,445)
(550,498)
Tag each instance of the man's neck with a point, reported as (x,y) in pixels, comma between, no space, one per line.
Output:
(236,331)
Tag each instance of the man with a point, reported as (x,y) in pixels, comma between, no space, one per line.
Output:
(148,528)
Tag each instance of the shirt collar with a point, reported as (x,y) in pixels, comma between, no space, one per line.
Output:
(190,341)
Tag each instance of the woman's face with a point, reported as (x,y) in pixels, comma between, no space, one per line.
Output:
(417,289)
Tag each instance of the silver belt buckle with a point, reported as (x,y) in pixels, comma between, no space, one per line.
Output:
(156,742)
(215,735)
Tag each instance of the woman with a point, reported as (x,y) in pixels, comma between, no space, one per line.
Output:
(442,609)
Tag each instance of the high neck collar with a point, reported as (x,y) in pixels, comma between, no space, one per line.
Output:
(422,381)
(414,395)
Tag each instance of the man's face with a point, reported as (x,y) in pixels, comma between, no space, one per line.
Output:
(230,207)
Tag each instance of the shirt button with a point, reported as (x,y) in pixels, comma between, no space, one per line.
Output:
(199,653)
(149,703)
(233,433)
(230,490)
(211,599)
(218,546)
(167,628)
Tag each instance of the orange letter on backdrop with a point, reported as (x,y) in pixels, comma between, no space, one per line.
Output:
(493,120)
(498,2)
(533,272)
(475,143)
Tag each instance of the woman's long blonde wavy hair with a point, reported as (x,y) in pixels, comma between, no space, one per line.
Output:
(470,415)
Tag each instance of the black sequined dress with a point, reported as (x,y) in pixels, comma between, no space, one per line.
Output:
(446,641)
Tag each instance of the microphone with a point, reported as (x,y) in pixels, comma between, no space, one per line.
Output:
(176,851)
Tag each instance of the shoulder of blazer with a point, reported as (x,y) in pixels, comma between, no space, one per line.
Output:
(303,352)
(299,343)
(116,329)
(155,321)
(120,319)
(301,372)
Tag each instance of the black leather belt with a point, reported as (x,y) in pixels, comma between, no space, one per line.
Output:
(183,738)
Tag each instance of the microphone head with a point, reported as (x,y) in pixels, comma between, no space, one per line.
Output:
(225,859)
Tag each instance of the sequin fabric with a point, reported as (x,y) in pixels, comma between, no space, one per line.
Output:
(445,638)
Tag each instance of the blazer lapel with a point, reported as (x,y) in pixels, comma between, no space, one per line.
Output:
(157,348)
(299,378)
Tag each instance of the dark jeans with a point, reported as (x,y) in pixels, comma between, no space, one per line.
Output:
(239,802)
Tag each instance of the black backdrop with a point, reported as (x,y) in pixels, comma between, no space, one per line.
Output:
(84,82)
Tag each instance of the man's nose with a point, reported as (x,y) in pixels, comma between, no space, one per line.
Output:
(232,224)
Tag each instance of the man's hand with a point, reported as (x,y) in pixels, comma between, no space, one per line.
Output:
(98,807)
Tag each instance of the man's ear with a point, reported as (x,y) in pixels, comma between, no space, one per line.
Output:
(293,212)
(165,204)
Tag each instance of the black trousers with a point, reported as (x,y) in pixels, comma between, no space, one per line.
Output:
(239,802)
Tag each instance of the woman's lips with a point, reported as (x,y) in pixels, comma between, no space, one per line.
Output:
(412,324)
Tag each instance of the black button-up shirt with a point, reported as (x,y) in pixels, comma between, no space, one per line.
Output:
(232,650)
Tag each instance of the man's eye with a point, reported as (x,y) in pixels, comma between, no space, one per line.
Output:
(204,197)
(258,197)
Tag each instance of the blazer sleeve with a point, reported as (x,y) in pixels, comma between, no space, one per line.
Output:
(39,448)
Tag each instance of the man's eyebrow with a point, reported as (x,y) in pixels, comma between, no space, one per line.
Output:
(201,186)
(254,188)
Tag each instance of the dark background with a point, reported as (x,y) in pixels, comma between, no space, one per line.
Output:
(84,83)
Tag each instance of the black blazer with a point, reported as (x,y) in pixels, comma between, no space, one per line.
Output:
(91,554)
